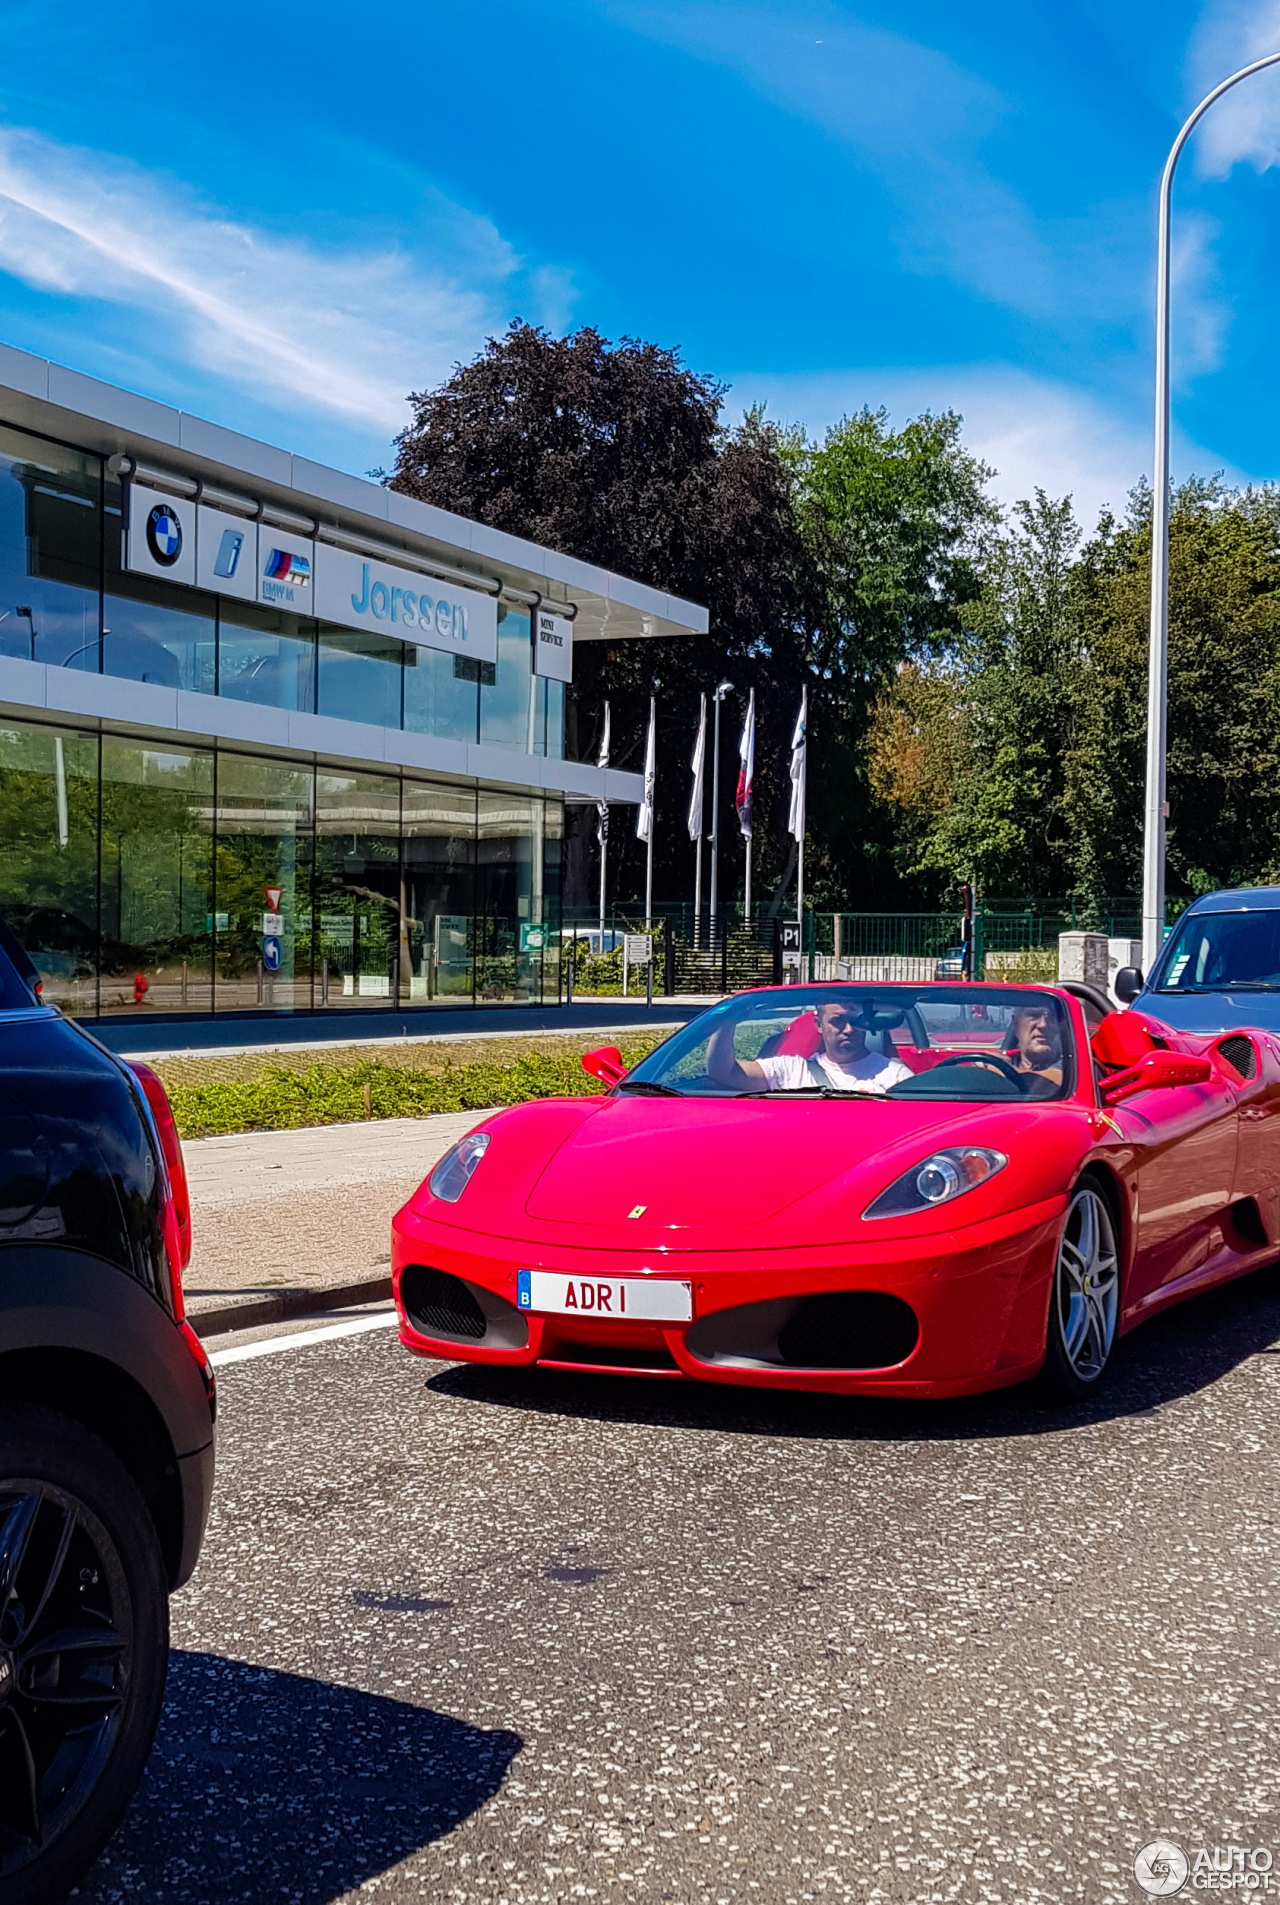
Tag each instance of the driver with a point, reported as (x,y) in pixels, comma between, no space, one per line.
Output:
(1039,1051)
(842,1061)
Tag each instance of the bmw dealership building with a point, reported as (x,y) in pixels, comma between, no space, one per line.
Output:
(274,739)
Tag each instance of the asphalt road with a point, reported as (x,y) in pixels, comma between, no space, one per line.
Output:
(472,1637)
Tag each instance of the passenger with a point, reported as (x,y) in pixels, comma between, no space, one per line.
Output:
(842,1063)
(1039,1053)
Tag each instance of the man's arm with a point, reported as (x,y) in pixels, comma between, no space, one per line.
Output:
(723,1068)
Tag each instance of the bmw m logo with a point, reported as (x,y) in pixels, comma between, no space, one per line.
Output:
(164,535)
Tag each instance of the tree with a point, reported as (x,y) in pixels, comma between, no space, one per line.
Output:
(615,454)
(1224,694)
(822,565)
(894,522)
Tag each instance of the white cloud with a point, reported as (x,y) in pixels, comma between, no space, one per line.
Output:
(1034,431)
(1244,125)
(350,332)
(917,119)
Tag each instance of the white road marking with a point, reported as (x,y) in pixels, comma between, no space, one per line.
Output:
(301,1338)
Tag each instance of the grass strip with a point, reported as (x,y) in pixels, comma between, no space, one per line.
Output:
(283,1098)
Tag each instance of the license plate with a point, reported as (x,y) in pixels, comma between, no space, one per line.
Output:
(621,1299)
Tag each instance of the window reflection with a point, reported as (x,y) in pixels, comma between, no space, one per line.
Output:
(509,705)
(50,552)
(156,900)
(439,834)
(266,655)
(360,675)
(359,946)
(49,856)
(511,925)
(441,694)
(263,918)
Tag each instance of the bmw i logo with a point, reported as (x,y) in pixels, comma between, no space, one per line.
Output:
(164,535)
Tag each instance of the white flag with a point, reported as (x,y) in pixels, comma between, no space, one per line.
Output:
(644,813)
(696,801)
(602,821)
(795,820)
(746,768)
(603,761)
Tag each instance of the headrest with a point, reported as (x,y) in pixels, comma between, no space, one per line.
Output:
(802,1037)
(1122,1039)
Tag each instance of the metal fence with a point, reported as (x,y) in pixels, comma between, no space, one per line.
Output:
(696,955)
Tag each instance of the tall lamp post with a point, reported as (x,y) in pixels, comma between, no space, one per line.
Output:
(725,688)
(1158,664)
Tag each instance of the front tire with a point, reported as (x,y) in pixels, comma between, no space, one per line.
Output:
(1084,1307)
(84,1648)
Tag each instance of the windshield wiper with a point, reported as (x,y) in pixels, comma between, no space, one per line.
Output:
(647,1088)
(812,1091)
(1224,985)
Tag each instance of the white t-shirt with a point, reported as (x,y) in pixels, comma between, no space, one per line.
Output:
(785,1072)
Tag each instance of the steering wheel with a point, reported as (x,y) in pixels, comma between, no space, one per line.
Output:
(992,1059)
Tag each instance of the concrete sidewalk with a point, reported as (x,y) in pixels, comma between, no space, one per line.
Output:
(290,1221)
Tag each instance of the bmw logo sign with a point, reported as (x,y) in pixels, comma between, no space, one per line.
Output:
(164,535)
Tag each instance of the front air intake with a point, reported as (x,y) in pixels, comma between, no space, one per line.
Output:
(440,1305)
(834,1329)
(849,1329)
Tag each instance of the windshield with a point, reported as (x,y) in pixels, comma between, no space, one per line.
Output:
(1214,951)
(894,1041)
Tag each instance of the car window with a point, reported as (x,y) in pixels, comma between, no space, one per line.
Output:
(1214,952)
(14,995)
(896,1041)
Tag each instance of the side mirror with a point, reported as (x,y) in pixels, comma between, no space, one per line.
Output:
(605,1064)
(1129,983)
(1150,1073)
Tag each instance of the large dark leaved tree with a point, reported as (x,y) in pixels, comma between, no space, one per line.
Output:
(616,454)
(821,565)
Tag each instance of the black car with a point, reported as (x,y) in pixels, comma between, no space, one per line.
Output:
(107,1408)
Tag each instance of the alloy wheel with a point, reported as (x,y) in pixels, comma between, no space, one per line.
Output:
(65,1657)
(1087,1285)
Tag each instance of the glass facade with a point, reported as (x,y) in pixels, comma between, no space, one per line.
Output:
(65,599)
(153,878)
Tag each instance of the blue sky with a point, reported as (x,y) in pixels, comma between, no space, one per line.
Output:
(286,216)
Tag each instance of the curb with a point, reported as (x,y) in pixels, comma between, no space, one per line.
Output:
(212,1318)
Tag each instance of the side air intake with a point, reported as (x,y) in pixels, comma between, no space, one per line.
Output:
(1238,1052)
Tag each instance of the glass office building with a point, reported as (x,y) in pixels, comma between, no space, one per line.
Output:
(217,799)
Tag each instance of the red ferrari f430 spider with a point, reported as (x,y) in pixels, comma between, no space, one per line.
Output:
(896,1189)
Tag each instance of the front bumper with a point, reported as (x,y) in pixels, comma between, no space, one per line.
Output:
(979,1295)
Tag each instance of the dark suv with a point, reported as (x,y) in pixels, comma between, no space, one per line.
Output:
(106,1431)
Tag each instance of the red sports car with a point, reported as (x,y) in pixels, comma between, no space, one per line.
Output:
(912,1190)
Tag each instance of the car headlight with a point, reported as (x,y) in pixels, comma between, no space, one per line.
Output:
(457,1167)
(938,1179)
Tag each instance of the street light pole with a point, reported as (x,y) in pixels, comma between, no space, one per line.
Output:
(725,688)
(1158,662)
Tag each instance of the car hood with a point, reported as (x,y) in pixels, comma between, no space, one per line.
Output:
(645,1173)
(1209,1013)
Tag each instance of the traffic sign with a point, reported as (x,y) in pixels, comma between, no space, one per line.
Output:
(271,955)
(273,925)
(274,895)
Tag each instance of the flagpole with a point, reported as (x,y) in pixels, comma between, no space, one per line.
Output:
(602,810)
(697,817)
(648,871)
